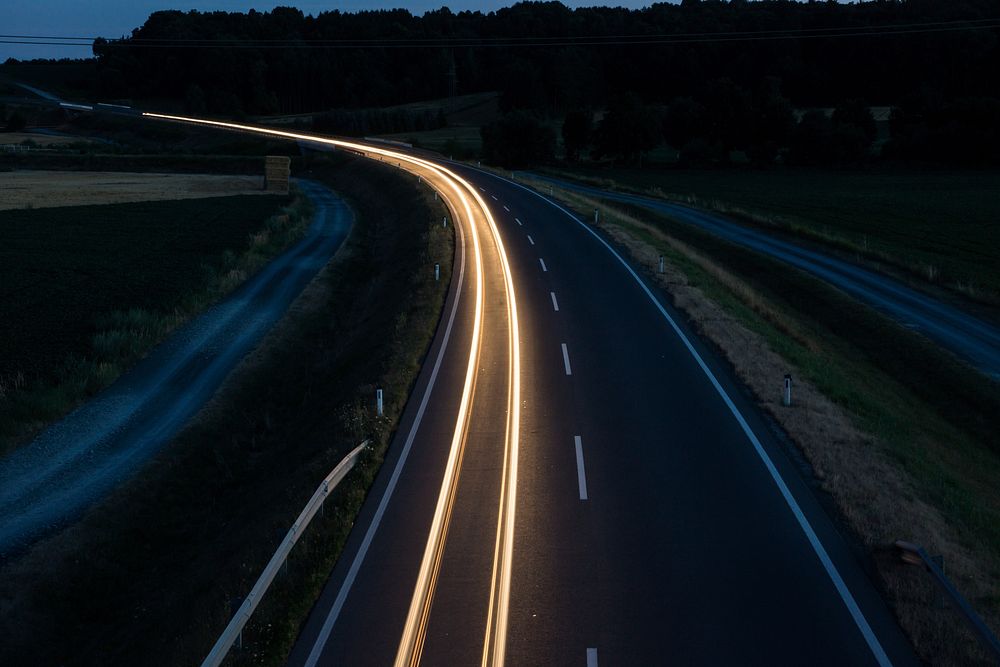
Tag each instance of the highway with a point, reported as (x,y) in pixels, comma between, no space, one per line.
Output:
(630,507)
(658,518)
(965,335)
(79,459)
(578,480)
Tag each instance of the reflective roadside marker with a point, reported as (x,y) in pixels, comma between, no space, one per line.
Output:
(378,401)
(444,221)
(786,398)
(597,216)
(437,271)
(661,264)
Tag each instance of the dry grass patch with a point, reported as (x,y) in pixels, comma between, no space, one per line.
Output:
(48,189)
(43,140)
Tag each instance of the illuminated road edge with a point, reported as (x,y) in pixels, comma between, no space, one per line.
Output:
(495,639)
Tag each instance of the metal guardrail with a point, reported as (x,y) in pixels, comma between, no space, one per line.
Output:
(915,555)
(243,614)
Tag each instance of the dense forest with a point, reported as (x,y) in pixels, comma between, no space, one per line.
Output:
(773,80)
(234,62)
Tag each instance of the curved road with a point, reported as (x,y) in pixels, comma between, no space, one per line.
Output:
(658,518)
(578,480)
(81,458)
(965,335)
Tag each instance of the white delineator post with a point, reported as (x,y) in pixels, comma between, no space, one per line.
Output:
(378,402)
(444,221)
(786,397)
(597,216)
(661,269)
(437,271)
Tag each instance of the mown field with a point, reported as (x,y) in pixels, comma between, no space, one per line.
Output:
(939,225)
(65,271)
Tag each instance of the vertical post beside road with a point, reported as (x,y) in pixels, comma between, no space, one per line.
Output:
(444,221)
(786,397)
(597,216)
(378,402)
(661,267)
(277,170)
(437,271)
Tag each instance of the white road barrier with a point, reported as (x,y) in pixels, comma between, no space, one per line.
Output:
(242,616)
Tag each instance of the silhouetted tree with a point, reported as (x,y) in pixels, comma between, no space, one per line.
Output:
(812,139)
(772,123)
(518,139)
(728,113)
(683,121)
(629,129)
(576,132)
(856,112)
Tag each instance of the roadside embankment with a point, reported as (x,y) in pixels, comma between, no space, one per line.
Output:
(899,436)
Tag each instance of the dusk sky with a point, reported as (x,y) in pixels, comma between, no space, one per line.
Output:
(114,18)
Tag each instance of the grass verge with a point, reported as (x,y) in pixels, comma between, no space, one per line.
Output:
(152,574)
(901,456)
(89,290)
(936,227)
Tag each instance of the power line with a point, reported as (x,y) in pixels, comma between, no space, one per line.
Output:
(460,42)
(962,23)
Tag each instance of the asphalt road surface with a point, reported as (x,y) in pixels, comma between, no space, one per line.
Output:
(965,335)
(78,460)
(659,519)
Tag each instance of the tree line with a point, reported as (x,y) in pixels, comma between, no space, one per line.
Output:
(726,123)
(732,84)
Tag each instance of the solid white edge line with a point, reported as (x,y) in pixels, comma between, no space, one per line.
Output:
(542,262)
(555,304)
(565,351)
(845,594)
(352,573)
(531,240)
(591,657)
(581,470)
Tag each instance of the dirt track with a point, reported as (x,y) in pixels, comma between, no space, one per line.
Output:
(46,189)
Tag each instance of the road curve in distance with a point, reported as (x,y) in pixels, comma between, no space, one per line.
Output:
(963,334)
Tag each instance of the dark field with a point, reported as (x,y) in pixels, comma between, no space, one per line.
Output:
(277,427)
(62,268)
(941,225)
